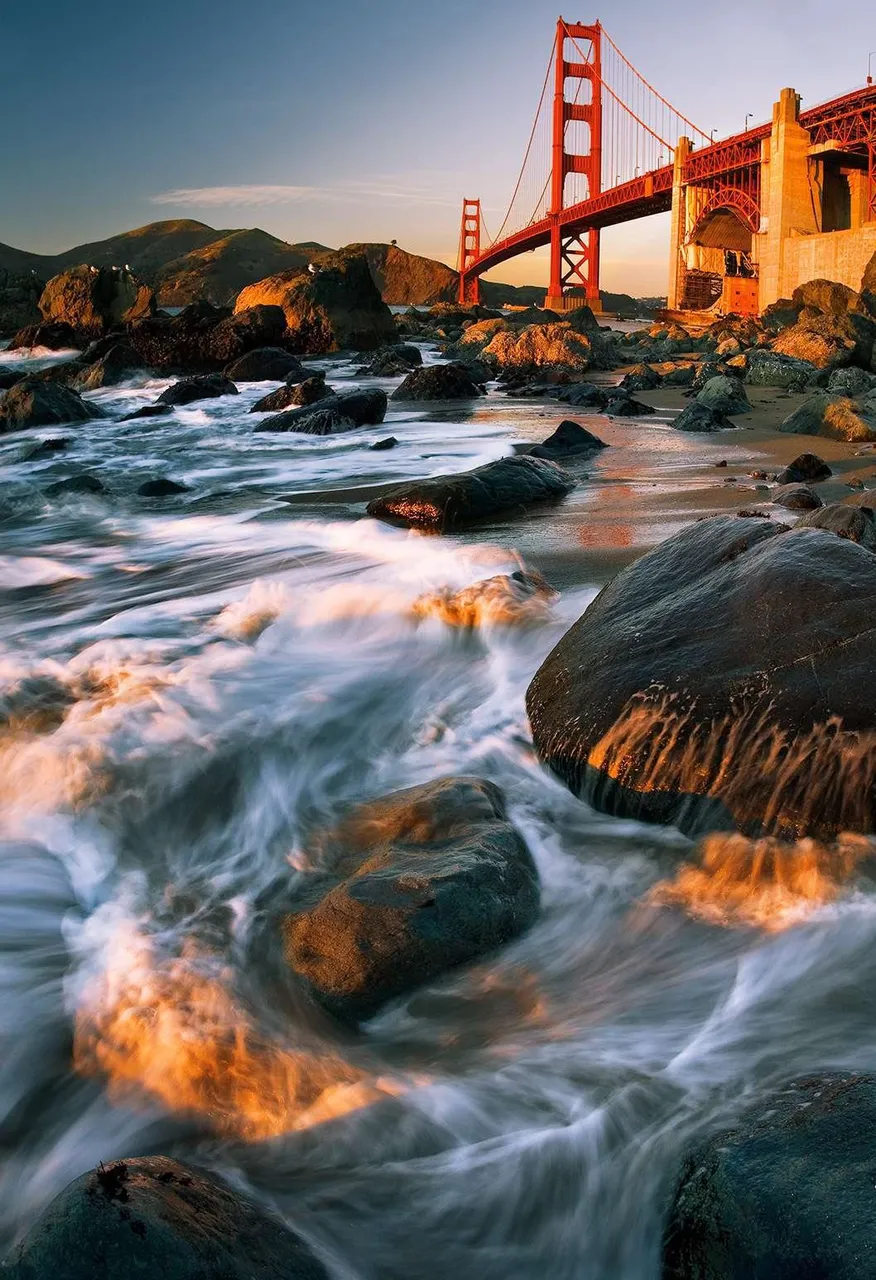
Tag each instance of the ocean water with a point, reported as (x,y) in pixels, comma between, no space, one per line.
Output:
(189,686)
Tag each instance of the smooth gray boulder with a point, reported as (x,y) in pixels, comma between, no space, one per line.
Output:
(724,395)
(331,414)
(33,402)
(834,417)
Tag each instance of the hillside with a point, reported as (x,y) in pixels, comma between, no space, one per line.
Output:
(405,278)
(184,260)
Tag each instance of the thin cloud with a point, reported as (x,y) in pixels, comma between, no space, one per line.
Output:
(392,191)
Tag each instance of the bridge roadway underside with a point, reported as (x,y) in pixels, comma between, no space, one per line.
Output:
(650,194)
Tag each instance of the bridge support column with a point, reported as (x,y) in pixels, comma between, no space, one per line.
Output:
(789,199)
(678,232)
(574,265)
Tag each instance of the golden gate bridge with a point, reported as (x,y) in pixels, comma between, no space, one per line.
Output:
(606,147)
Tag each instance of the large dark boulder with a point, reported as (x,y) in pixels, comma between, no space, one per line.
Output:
(294,395)
(858,524)
(622,405)
(445,503)
(392,361)
(570,440)
(851,381)
(54,337)
(35,403)
(415,884)
(722,680)
(117,365)
(697,417)
(208,386)
(826,296)
(786,1193)
(19,302)
(805,468)
(640,378)
(155,1217)
(438,382)
(331,414)
(584,395)
(95,300)
(828,339)
(264,364)
(204,338)
(834,417)
(772,369)
(724,395)
(796,497)
(335,307)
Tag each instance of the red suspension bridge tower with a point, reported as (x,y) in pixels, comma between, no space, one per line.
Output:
(575,254)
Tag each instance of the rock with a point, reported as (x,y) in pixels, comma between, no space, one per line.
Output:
(640,378)
(9,377)
(728,348)
(771,369)
(332,414)
(208,386)
(805,469)
(148,411)
(733,643)
(699,417)
(388,442)
(204,338)
(569,440)
(858,524)
(403,277)
(54,337)
(94,300)
(34,403)
(785,1193)
(851,382)
(48,448)
(265,364)
(796,497)
(153,1216)
(417,883)
(624,406)
(161,487)
(117,365)
(828,340)
(780,315)
(825,295)
(19,302)
(75,484)
(293,394)
(447,503)
(438,382)
(337,308)
(558,345)
(584,395)
(834,417)
(681,376)
(401,357)
(724,395)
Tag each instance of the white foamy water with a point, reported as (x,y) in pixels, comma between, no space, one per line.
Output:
(188,687)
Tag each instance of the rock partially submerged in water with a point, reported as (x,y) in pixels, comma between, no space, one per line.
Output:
(156,1217)
(418,883)
(115,365)
(264,364)
(294,395)
(785,1193)
(445,503)
(54,337)
(796,497)
(35,403)
(805,469)
(438,382)
(208,386)
(722,680)
(331,414)
(95,300)
(570,440)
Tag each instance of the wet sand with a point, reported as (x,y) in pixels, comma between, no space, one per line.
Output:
(650,482)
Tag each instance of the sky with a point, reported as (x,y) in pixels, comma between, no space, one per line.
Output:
(356,120)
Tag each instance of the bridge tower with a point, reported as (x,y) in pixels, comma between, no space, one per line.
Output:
(469,252)
(575,255)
